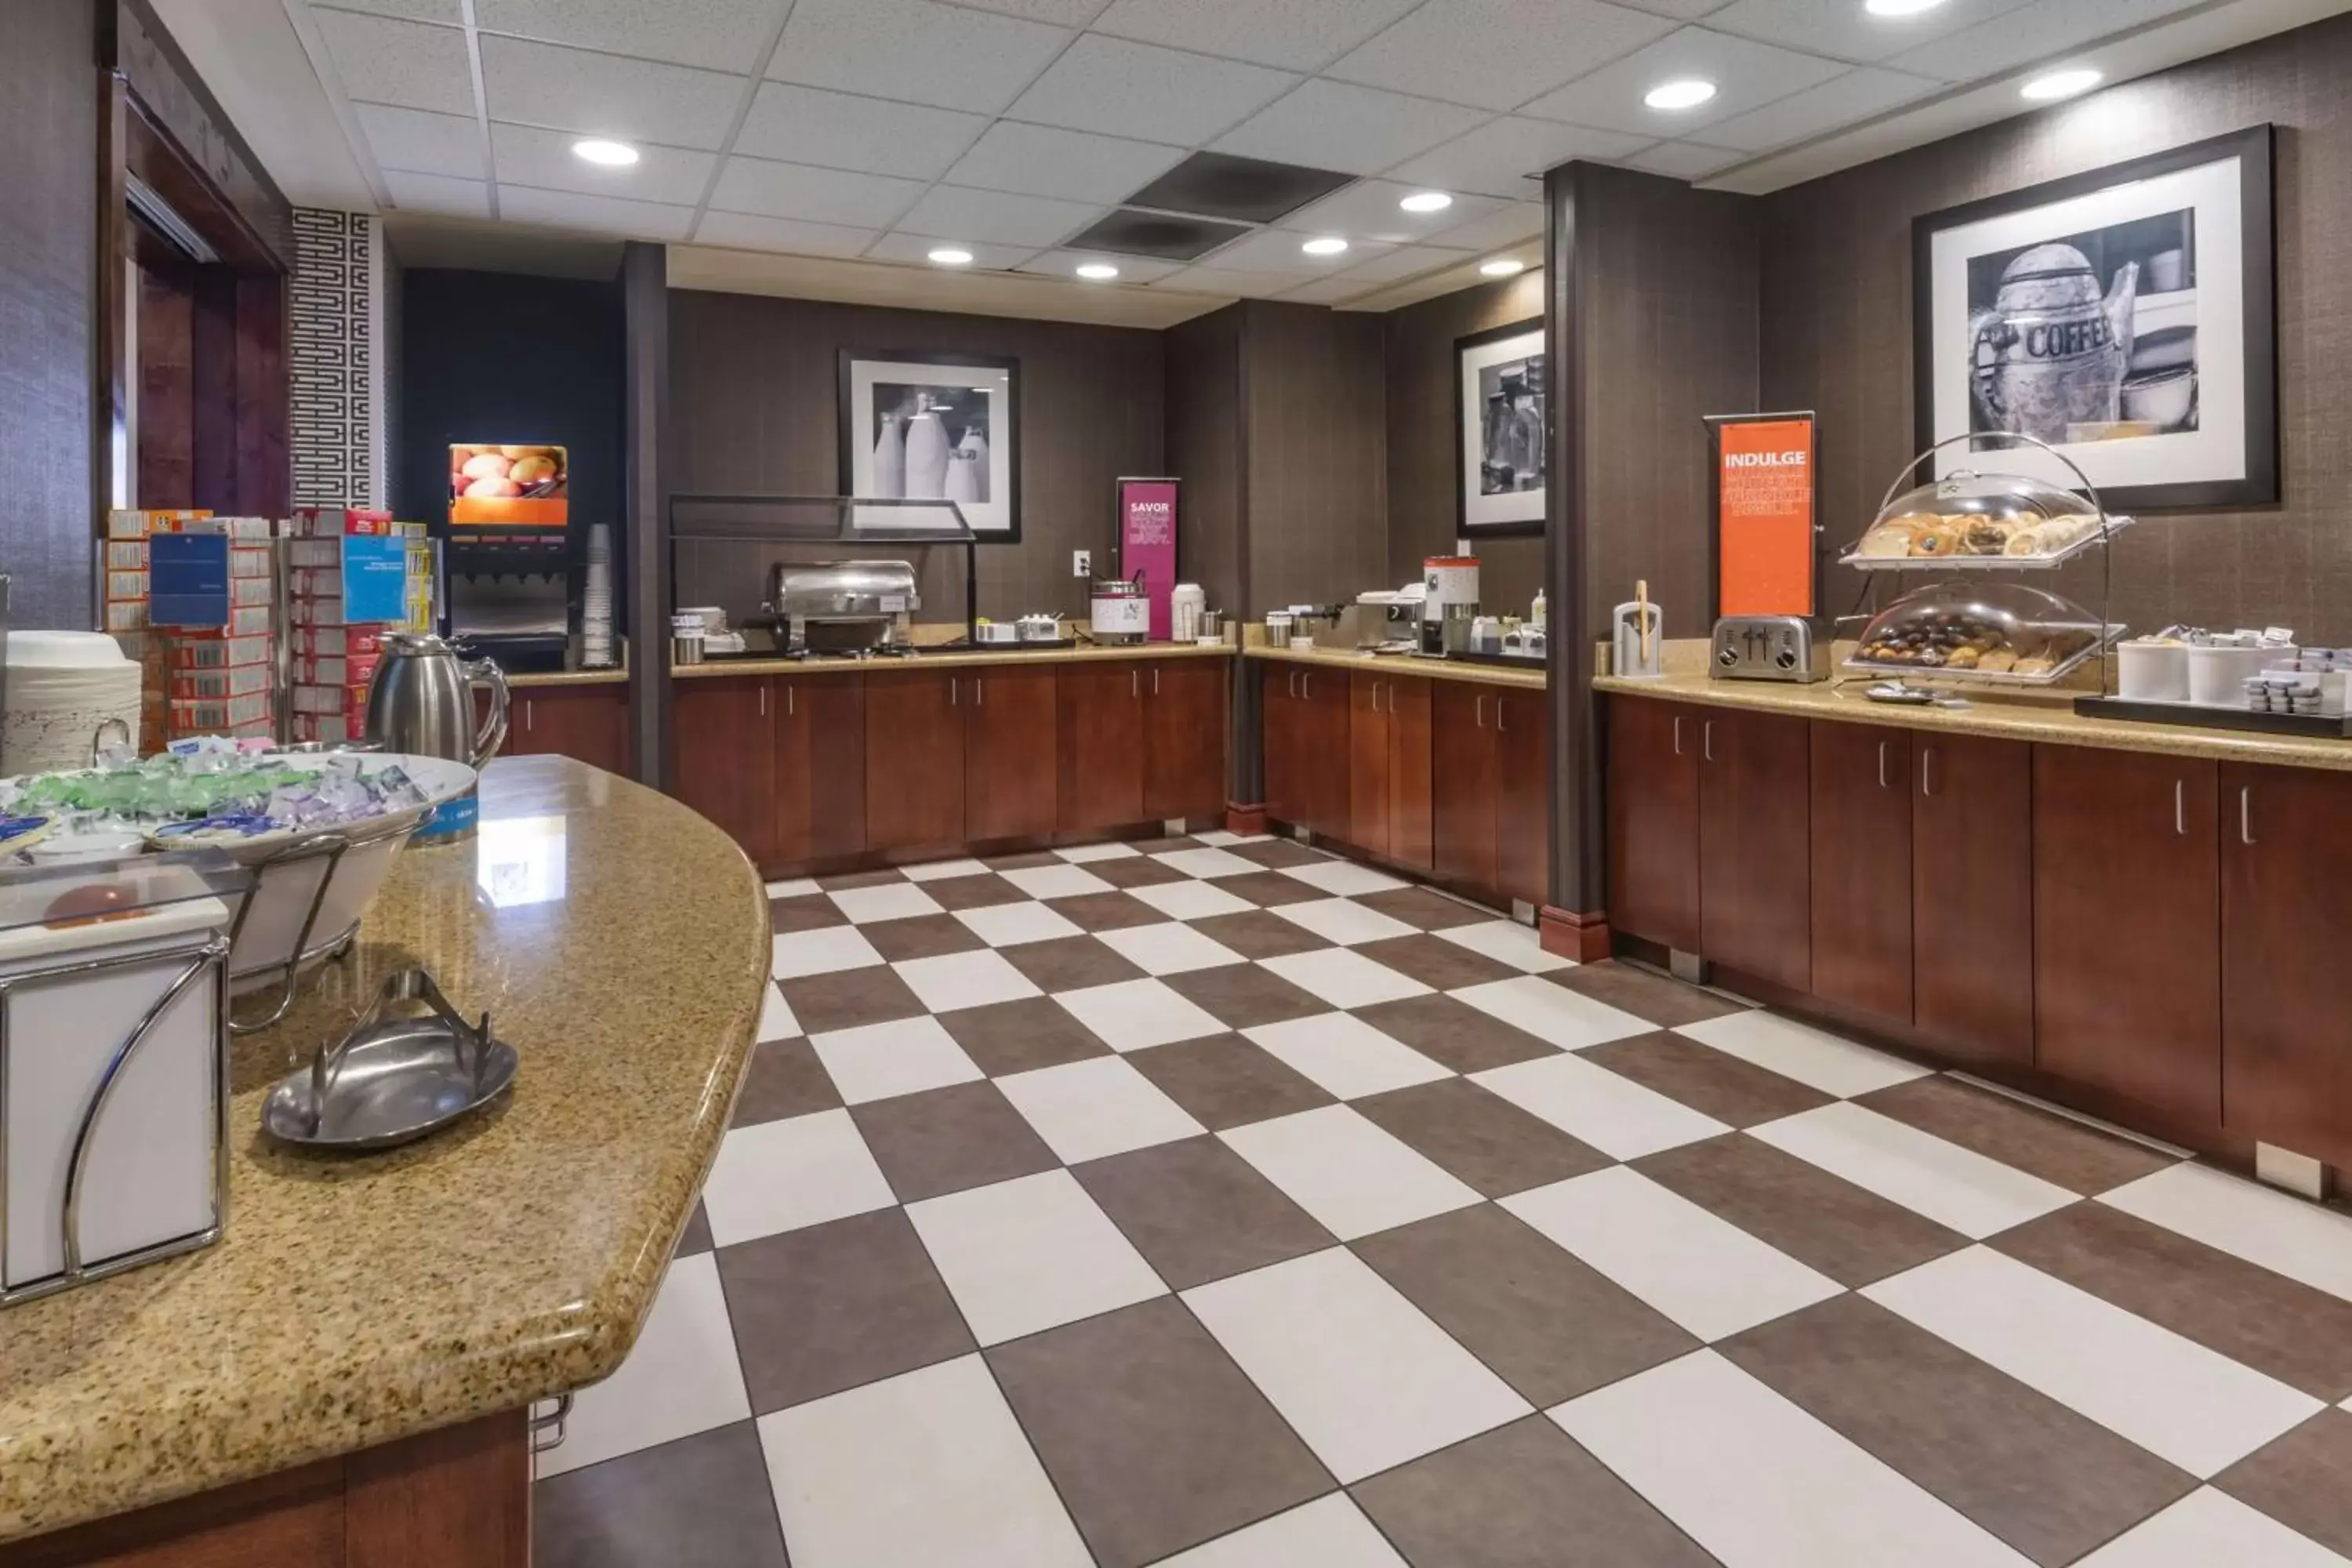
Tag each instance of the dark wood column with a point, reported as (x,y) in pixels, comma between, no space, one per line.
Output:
(645,308)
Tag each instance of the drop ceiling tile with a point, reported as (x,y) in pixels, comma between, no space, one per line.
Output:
(1684,160)
(1061,13)
(1277,250)
(416,10)
(604,95)
(1746,76)
(917,249)
(1355,129)
(1681,10)
(1139,90)
(951,212)
(1327,291)
(1497,53)
(1131,269)
(913,50)
(768,189)
(525,155)
(839,130)
(599,214)
(720,35)
(1845,29)
(406,63)
(1124,231)
(1368,210)
(1226,281)
(1512,222)
(421,142)
(1297,35)
(745,232)
(1038,160)
(414,193)
(1506,157)
(1846,100)
(1406,261)
(2028,35)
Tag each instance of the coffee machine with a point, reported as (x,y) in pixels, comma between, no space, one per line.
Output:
(504,576)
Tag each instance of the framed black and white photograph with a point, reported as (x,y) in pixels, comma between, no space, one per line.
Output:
(931,426)
(2126,316)
(1503,462)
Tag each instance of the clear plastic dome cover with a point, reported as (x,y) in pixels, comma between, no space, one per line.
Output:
(1983,629)
(1966,513)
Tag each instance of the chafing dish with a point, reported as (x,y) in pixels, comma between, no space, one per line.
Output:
(849,607)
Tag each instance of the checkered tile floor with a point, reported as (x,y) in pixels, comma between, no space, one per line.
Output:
(1215,1202)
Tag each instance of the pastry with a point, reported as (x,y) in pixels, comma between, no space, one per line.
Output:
(1987,535)
(2034,666)
(2026,541)
(1967,657)
(1937,539)
(1889,538)
(1996,661)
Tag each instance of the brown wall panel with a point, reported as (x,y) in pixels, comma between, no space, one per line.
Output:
(1204,447)
(1316,423)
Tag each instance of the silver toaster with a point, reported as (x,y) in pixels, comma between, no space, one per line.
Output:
(1767,647)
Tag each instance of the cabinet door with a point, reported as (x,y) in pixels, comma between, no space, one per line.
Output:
(2287,902)
(723,743)
(1755,845)
(1011,753)
(820,768)
(1972,896)
(1412,830)
(2126,927)
(1462,783)
(1653,762)
(1102,744)
(1323,750)
(1522,796)
(914,759)
(1862,868)
(1185,737)
(1369,732)
(1278,721)
(589,723)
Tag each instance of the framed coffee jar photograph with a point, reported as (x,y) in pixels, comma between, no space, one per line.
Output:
(932,426)
(2127,317)
(1499,398)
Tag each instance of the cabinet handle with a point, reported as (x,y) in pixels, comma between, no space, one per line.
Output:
(1502,707)
(1678,734)
(1881,764)
(1706,740)
(1155,680)
(1294,683)
(1307,683)
(1928,770)
(2180,807)
(952,684)
(526,716)
(789,705)
(763,701)
(979,691)
(1134,683)
(2246,813)
(1478,709)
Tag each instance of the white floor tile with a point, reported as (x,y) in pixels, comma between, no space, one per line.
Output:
(1760,1483)
(1336,920)
(1031,1254)
(781,1175)
(905,1056)
(1615,1114)
(1702,1271)
(1133,1013)
(927,1467)
(2207,1529)
(2170,1394)
(1344,978)
(1329,1532)
(1506,942)
(1351,1175)
(1191,900)
(1009,925)
(890,902)
(941,870)
(797,888)
(776,1020)
(2276,1230)
(1553,1013)
(1346,1056)
(1810,1056)
(1951,1185)
(1085,1110)
(1079,854)
(1168,948)
(805,952)
(1208,862)
(681,1377)
(953,980)
(1343,879)
(1356,1369)
(1062,881)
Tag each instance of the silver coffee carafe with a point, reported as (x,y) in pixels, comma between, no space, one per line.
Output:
(422,703)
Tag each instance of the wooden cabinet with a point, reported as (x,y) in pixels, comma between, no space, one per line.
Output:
(1011,753)
(723,744)
(1972,896)
(2287,902)
(1412,826)
(1304,720)
(1861,879)
(1102,745)
(914,759)
(588,722)
(1523,796)
(1463,783)
(1389,752)
(820,768)
(1369,732)
(2126,927)
(1653,761)
(1754,844)
(1185,728)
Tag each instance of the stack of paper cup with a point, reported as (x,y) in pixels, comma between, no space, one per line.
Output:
(596,600)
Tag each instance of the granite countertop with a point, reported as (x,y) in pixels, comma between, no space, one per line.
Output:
(947,660)
(358,1300)
(1407,664)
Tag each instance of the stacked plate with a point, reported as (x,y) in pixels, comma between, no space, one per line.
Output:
(596,600)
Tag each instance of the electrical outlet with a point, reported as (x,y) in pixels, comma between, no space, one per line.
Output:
(1082,562)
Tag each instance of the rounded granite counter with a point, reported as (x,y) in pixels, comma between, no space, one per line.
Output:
(621,943)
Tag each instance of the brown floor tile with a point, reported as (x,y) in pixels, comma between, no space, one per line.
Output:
(1028,860)
(784,1079)
(1453,1033)
(1267,889)
(1006,1037)
(703,1501)
(1106,911)
(1437,964)
(1274,853)
(1660,998)
(810,911)
(841,882)
(2274,1324)
(975,893)
(1243,995)
(1522,1496)
(1548,1324)
(920,936)
(1848,1233)
(1481,1137)
(1197,1211)
(1225,1081)
(1165,846)
(1069,963)
(696,1236)
(1135,871)
(1424,909)
(946,1140)
(1717,1083)
(1155,1439)
(1258,934)
(848,998)
(2055,1148)
(835,1306)
(2303,1479)
(2050,1482)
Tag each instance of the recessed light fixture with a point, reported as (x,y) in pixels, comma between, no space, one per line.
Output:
(612,154)
(1686,92)
(1330,245)
(1426,201)
(1899,7)
(1097,271)
(2061,84)
(1502,267)
(951,256)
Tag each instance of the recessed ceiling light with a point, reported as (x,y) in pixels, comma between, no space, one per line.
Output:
(1328,246)
(1502,267)
(1688,92)
(951,256)
(1426,201)
(1899,7)
(2060,84)
(612,154)
(1097,271)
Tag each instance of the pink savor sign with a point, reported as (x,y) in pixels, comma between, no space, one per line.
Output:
(1147,543)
